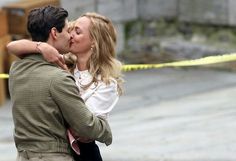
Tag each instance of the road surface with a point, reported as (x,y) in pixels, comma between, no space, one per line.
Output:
(165,115)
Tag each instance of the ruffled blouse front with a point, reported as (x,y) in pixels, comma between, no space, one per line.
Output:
(99,97)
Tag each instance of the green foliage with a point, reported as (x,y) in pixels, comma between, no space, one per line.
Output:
(133,28)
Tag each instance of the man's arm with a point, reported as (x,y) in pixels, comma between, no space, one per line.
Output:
(80,119)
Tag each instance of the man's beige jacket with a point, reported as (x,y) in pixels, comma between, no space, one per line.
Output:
(45,103)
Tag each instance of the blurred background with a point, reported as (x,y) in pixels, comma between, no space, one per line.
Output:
(179,114)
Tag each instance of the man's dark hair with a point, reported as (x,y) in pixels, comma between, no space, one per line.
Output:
(41,20)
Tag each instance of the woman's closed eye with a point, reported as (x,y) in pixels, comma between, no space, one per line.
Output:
(77,31)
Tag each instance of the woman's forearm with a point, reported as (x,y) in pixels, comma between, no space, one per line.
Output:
(22,47)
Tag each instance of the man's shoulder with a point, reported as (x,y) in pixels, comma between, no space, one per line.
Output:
(56,72)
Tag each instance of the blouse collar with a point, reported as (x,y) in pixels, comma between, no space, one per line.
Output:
(81,74)
(84,74)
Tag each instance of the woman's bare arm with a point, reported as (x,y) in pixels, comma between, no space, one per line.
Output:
(24,47)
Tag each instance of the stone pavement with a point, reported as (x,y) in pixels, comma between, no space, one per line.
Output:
(199,127)
(165,115)
(7,147)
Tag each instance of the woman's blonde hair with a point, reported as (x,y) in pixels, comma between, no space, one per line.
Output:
(103,59)
(69,58)
(71,25)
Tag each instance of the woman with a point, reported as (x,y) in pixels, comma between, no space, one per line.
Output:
(97,71)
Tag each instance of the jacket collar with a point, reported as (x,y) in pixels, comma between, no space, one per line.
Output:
(38,57)
(35,56)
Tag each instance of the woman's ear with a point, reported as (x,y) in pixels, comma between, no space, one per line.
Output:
(93,44)
(53,33)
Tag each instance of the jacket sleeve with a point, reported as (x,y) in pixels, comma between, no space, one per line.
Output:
(66,95)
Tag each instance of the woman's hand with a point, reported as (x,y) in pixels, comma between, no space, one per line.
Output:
(51,55)
(79,138)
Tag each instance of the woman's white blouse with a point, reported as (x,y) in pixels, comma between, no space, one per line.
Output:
(100,98)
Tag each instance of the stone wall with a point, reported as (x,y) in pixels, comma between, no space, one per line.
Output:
(204,12)
(208,12)
(217,12)
(156,9)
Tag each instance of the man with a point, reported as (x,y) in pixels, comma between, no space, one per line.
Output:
(45,98)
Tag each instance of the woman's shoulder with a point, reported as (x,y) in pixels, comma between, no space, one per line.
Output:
(111,85)
(110,82)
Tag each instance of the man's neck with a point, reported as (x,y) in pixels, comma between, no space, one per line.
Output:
(52,43)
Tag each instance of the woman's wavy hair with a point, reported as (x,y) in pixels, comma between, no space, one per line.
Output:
(103,59)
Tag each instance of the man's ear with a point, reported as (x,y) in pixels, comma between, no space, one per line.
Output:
(53,33)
